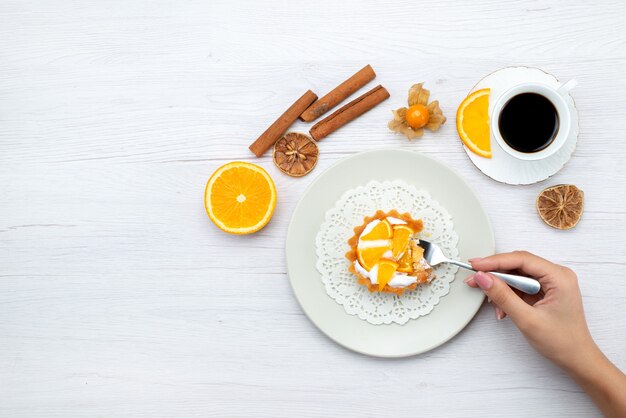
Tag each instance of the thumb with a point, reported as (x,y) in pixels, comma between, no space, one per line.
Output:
(503,296)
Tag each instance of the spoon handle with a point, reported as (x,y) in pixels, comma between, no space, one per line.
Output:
(525,284)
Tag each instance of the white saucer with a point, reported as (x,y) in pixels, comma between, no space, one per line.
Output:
(504,167)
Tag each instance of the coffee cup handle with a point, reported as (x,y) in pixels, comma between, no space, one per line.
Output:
(565,88)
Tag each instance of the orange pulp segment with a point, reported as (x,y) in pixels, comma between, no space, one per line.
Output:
(386,270)
(368,257)
(401,236)
(404,263)
(382,230)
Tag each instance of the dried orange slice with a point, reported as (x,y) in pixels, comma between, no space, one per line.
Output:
(400,242)
(561,206)
(472,122)
(382,230)
(240,197)
(386,270)
(368,257)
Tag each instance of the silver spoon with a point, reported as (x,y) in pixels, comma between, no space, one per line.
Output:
(434,256)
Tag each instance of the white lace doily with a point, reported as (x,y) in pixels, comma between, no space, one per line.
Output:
(349,211)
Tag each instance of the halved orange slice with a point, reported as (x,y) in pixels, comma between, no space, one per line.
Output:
(382,230)
(400,242)
(240,197)
(368,257)
(386,270)
(472,122)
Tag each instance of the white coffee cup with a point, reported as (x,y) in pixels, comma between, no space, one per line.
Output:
(557,98)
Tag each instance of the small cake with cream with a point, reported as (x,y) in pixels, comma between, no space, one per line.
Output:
(383,255)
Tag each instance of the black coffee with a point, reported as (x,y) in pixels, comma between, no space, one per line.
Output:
(528,122)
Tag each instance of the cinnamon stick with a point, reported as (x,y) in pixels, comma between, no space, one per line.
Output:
(339,94)
(349,112)
(280,126)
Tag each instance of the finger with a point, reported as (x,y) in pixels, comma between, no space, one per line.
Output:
(500,314)
(469,280)
(529,299)
(503,296)
(522,260)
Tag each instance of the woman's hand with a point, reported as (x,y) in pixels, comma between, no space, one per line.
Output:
(553,322)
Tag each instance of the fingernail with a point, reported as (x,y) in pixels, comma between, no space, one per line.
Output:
(471,260)
(499,314)
(468,278)
(484,281)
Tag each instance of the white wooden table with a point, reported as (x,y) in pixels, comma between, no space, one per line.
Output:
(119,297)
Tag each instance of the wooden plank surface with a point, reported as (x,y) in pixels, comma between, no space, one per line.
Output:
(119,297)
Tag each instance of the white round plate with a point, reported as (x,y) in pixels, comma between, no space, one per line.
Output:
(453,312)
(502,166)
